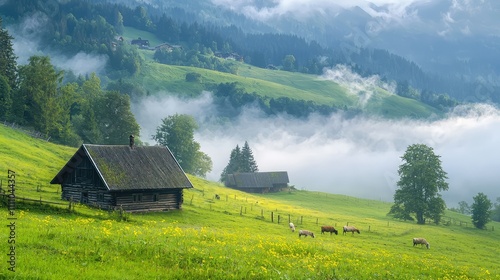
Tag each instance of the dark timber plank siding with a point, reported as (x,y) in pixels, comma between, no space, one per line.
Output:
(123,177)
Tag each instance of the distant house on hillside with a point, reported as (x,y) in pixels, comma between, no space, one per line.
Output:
(229,56)
(124,177)
(258,182)
(140,42)
(168,47)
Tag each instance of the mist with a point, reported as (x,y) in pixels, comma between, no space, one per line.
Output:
(361,87)
(353,156)
(26,43)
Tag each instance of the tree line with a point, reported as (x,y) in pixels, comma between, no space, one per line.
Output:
(35,96)
(75,25)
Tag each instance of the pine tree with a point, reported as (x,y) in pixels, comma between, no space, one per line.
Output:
(248,163)
(233,165)
(240,160)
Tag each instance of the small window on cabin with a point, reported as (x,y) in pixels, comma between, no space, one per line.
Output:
(155,197)
(137,197)
(100,197)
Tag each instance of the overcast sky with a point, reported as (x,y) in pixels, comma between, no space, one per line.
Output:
(357,157)
(437,16)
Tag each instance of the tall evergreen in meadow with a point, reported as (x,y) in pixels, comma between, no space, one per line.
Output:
(248,163)
(240,161)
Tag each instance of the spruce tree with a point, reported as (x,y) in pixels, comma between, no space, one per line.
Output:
(233,165)
(240,161)
(248,163)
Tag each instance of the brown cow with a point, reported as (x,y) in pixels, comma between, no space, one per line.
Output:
(329,229)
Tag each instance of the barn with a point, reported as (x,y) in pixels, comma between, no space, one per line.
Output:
(258,182)
(127,177)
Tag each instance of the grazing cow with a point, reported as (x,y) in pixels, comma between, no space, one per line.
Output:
(329,229)
(421,241)
(305,233)
(292,227)
(350,229)
(217,197)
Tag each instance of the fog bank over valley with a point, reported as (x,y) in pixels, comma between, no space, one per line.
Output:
(26,43)
(356,156)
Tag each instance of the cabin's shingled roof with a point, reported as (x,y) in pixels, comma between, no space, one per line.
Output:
(123,168)
(257,179)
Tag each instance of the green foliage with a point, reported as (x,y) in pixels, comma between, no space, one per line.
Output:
(481,210)
(115,119)
(5,99)
(289,63)
(230,238)
(495,213)
(240,160)
(40,98)
(248,163)
(421,178)
(177,133)
(193,77)
(8,64)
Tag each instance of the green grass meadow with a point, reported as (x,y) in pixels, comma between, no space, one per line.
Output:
(161,79)
(240,236)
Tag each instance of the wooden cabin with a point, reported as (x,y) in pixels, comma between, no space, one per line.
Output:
(258,182)
(124,177)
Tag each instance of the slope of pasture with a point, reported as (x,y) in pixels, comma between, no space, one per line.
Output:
(235,238)
(239,236)
(35,162)
(170,79)
(155,78)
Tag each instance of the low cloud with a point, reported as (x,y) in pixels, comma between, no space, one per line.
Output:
(388,10)
(352,156)
(361,87)
(26,43)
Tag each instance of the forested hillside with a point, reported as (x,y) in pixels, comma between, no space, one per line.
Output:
(76,26)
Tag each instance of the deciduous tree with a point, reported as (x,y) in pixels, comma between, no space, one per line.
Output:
(421,179)
(481,210)
(177,133)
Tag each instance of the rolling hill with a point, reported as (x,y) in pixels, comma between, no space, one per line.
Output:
(158,78)
(240,236)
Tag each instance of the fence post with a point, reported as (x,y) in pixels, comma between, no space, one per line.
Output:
(262,213)
(272,217)
(316,221)
(241,210)
(301,219)
(289,218)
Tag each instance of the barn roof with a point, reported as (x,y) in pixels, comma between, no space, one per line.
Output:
(123,168)
(257,179)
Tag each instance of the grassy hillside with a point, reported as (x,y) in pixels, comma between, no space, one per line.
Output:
(156,78)
(240,236)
